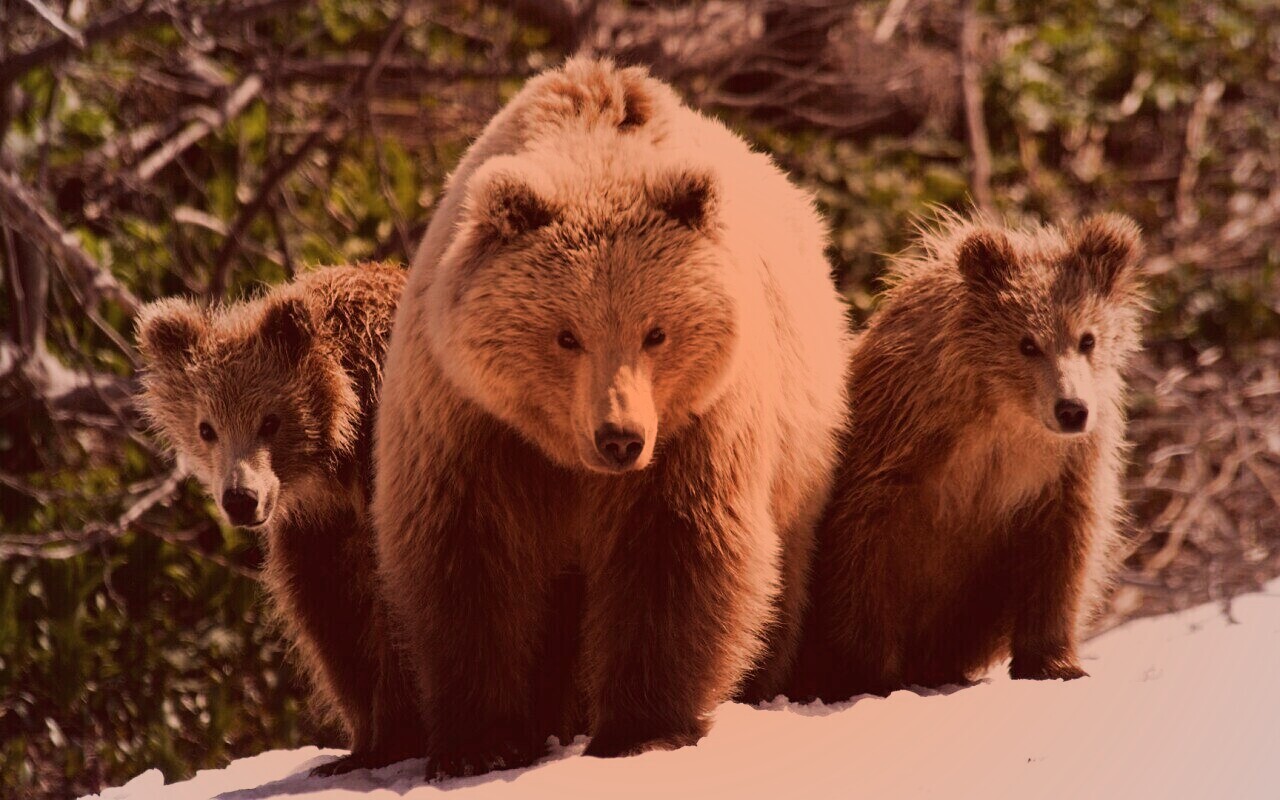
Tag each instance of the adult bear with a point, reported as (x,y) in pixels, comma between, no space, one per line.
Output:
(620,355)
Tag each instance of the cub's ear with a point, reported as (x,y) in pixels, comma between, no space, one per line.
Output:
(505,206)
(169,331)
(288,325)
(986,259)
(1109,247)
(689,197)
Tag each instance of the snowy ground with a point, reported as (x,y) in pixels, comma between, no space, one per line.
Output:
(1184,706)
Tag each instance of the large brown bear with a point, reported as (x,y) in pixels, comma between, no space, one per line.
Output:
(270,402)
(974,512)
(608,425)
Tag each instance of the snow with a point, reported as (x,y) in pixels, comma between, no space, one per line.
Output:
(1186,705)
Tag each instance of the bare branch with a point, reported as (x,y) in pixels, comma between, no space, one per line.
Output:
(62,389)
(24,213)
(208,119)
(147,14)
(1197,131)
(336,116)
(889,22)
(59,24)
(68,544)
(971,81)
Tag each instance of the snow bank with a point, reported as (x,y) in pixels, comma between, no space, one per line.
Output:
(1181,706)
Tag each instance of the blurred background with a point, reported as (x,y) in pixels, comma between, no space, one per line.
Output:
(158,147)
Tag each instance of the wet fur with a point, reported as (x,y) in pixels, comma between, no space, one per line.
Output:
(962,530)
(227,364)
(538,597)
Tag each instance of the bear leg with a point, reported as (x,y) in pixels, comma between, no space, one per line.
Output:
(468,594)
(675,610)
(1049,563)
(321,578)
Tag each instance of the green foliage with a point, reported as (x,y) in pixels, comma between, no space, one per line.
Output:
(152,649)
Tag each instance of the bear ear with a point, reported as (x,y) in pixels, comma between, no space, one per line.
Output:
(986,259)
(288,325)
(1109,247)
(169,331)
(507,207)
(688,197)
(637,103)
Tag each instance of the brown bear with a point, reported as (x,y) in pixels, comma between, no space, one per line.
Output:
(608,425)
(975,507)
(271,403)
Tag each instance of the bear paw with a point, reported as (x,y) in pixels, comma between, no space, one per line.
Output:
(350,763)
(1053,669)
(617,745)
(459,763)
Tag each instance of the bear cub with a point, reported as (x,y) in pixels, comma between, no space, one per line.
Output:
(975,507)
(270,402)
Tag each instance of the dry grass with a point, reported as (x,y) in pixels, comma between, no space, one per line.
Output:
(1204,485)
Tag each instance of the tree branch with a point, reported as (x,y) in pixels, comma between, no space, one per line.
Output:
(68,544)
(25,214)
(337,115)
(57,22)
(147,14)
(971,81)
(208,119)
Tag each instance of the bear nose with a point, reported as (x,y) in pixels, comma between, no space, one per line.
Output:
(619,447)
(241,506)
(1071,415)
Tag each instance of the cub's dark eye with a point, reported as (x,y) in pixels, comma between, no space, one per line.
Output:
(206,432)
(655,337)
(1028,347)
(270,424)
(568,341)
(1086,343)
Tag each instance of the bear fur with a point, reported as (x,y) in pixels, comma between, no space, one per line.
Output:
(270,403)
(609,423)
(969,519)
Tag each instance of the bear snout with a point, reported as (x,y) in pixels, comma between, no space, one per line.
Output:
(1072,415)
(619,447)
(241,506)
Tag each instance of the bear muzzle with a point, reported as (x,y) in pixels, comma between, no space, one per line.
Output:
(619,448)
(241,507)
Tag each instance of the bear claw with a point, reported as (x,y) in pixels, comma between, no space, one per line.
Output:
(607,746)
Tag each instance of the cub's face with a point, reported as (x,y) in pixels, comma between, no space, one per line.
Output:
(247,403)
(595,327)
(1055,318)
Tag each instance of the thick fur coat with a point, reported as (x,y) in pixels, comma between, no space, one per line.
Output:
(608,426)
(975,507)
(271,403)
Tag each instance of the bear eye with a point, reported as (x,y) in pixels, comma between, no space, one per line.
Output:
(206,432)
(655,337)
(270,424)
(1028,347)
(568,341)
(1086,343)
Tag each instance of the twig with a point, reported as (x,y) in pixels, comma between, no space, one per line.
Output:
(971,80)
(889,22)
(1197,129)
(208,120)
(68,544)
(26,214)
(59,24)
(147,14)
(337,112)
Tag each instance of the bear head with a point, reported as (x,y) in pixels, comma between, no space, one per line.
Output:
(1053,315)
(250,397)
(590,304)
